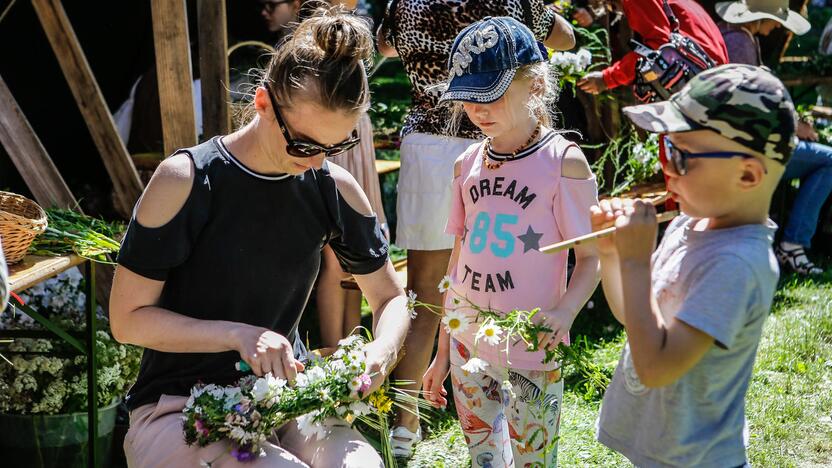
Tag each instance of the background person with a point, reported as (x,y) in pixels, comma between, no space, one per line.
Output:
(650,24)
(742,24)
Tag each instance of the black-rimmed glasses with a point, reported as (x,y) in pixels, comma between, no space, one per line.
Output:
(679,158)
(305,148)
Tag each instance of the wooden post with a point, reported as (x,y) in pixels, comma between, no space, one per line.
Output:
(125,179)
(173,70)
(29,156)
(213,68)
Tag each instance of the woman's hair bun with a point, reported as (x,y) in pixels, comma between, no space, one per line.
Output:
(339,34)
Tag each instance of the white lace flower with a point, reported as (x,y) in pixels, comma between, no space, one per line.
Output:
(301,380)
(360,408)
(584,59)
(455,322)
(475,366)
(489,332)
(445,284)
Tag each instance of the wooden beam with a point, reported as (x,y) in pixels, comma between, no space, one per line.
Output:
(29,156)
(76,69)
(173,70)
(213,68)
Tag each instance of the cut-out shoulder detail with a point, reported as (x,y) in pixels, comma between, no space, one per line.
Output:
(574,164)
(167,191)
(458,165)
(350,190)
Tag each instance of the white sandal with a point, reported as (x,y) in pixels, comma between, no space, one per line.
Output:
(402,441)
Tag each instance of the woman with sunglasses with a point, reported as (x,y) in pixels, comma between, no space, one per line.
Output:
(225,245)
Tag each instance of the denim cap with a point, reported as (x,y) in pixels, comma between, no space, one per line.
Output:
(485,57)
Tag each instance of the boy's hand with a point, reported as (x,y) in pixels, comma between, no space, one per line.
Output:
(636,230)
(433,382)
(603,216)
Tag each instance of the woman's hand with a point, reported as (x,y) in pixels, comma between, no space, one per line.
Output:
(380,358)
(266,351)
(433,381)
(593,83)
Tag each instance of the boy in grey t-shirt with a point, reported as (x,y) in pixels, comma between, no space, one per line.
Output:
(694,308)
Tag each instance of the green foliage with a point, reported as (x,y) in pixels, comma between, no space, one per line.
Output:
(70,231)
(631,159)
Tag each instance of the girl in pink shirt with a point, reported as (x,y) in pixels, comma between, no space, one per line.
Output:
(524,187)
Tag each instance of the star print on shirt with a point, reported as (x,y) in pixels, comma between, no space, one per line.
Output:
(531,240)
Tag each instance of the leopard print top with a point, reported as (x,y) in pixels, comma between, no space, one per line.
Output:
(423,31)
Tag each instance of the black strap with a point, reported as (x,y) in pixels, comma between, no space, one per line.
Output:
(389,21)
(674,22)
(528,17)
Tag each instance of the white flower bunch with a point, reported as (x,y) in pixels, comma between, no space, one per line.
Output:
(52,384)
(572,63)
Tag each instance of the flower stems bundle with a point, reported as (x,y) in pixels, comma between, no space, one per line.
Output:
(247,413)
(73,232)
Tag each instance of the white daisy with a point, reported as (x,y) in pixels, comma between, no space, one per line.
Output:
(455,321)
(411,304)
(355,384)
(490,333)
(445,284)
(474,366)
(309,428)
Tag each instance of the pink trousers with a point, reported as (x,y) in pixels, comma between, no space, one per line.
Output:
(155,439)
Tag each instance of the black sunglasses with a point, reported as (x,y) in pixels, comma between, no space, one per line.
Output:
(272,4)
(679,158)
(307,149)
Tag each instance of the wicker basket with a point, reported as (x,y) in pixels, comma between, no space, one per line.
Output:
(21,220)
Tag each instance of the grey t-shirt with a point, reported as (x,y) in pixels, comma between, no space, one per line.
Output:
(721,282)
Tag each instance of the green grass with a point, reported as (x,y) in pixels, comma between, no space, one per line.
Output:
(789,401)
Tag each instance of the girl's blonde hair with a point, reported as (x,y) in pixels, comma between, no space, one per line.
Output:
(323,61)
(541,103)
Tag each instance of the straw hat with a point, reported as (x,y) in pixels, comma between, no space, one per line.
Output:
(745,11)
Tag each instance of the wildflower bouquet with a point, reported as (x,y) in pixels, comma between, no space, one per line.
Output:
(247,413)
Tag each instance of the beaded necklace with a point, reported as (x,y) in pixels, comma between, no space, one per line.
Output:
(496,165)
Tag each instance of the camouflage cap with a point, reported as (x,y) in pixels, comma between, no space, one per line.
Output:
(744,103)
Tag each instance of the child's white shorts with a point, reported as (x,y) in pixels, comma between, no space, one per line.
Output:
(424,190)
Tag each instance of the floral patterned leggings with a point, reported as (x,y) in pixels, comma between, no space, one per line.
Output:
(507,427)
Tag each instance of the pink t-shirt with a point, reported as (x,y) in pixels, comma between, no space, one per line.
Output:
(504,217)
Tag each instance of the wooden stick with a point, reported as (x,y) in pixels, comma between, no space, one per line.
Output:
(591,237)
